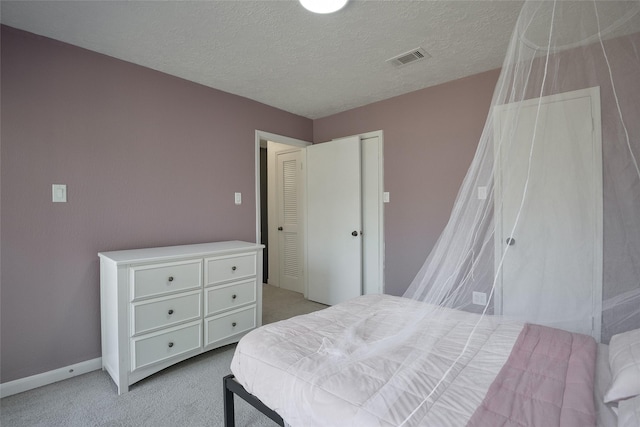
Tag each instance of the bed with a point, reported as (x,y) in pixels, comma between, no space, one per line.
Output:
(359,363)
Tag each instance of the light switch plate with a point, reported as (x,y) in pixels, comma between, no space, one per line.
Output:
(385,197)
(238,198)
(59,193)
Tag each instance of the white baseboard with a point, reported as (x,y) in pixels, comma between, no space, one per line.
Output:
(39,380)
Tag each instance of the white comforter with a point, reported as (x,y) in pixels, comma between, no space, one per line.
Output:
(363,363)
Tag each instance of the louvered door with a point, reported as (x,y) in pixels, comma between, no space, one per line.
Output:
(289,214)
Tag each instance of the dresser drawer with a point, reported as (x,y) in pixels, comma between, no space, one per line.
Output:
(223,269)
(226,325)
(159,279)
(167,311)
(224,297)
(166,344)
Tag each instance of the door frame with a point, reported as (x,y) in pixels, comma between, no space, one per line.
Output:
(597,286)
(281,139)
(380,203)
(268,136)
(378,179)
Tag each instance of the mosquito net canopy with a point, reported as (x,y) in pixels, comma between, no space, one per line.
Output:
(545,229)
(547,221)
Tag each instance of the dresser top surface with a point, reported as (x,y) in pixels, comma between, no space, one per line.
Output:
(181,251)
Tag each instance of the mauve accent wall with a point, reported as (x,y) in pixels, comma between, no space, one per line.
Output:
(148,160)
(430,138)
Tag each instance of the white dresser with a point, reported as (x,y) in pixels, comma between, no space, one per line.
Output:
(163,305)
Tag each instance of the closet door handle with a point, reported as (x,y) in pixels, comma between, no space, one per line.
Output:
(354,233)
(280,229)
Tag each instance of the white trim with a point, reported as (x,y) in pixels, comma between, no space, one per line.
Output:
(380,184)
(50,377)
(262,135)
(381,246)
(280,139)
(267,136)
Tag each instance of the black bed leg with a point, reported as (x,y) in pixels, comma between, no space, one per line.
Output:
(231,388)
(229,411)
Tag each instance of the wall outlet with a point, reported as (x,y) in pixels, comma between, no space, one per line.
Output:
(480,298)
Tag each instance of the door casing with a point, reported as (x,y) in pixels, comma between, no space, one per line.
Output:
(592,95)
(262,137)
(376,179)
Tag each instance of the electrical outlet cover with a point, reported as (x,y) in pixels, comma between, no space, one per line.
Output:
(480,298)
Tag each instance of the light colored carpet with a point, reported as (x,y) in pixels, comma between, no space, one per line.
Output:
(186,394)
(279,304)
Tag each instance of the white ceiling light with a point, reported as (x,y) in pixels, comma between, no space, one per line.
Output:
(323,6)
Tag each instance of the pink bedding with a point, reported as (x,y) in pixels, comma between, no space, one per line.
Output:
(547,381)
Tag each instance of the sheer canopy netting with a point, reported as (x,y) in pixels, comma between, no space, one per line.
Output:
(546,225)
(556,241)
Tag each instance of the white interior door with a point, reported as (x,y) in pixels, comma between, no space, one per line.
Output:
(552,269)
(334,221)
(288,177)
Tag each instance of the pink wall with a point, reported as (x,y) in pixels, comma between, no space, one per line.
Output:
(148,159)
(430,137)
(151,160)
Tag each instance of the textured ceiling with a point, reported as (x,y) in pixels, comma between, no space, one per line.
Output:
(277,53)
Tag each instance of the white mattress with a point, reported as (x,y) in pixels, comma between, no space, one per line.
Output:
(347,365)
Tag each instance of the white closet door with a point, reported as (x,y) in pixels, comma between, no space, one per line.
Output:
(552,271)
(334,221)
(289,219)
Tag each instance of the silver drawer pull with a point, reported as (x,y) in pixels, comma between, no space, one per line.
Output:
(171,278)
(234,268)
(170,344)
(234,296)
(233,324)
(170,311)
